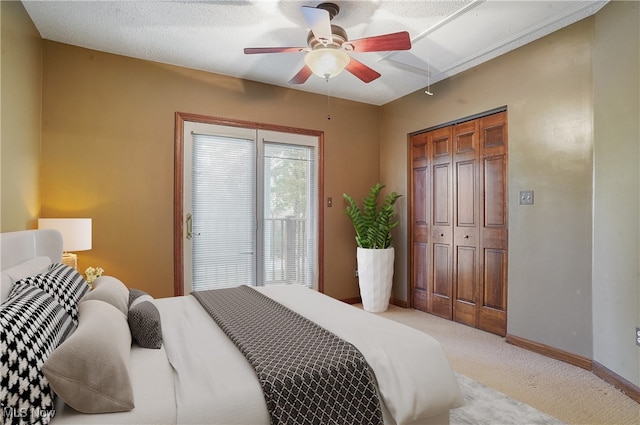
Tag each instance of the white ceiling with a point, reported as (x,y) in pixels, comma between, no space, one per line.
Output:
(448,37)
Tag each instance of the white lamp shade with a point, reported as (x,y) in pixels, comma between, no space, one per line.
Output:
(76,232)
(326,62)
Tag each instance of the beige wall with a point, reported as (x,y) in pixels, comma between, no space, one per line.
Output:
(108,141)
(20,117)
(616,255)
(548,88)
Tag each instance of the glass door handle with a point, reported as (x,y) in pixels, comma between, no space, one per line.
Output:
(189,226)
(190,233)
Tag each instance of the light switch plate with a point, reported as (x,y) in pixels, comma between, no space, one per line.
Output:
(526,197)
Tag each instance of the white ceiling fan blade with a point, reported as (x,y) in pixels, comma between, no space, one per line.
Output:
(319,22)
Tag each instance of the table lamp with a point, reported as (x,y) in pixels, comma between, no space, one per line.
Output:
(76,236)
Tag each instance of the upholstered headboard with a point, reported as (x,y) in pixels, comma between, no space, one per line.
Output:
(25,252)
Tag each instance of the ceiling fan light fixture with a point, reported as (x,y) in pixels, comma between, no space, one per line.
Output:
(327,62)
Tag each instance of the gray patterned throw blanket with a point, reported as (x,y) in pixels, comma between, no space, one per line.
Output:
(308,374)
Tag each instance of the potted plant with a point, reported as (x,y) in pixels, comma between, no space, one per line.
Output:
(375,256)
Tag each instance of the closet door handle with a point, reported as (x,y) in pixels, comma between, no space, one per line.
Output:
(466,236)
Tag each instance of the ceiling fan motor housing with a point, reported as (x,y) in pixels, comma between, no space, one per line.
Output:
(339,36)
(332,8)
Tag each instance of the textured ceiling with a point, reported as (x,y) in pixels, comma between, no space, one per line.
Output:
(448,36)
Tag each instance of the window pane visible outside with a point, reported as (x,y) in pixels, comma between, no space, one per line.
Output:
(288,214)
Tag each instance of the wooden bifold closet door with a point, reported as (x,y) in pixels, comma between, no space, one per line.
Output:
(458,218)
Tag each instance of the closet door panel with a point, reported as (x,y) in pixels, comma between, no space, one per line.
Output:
(420,276)
(440,293)
(493,234)
(419,221)
(466,217)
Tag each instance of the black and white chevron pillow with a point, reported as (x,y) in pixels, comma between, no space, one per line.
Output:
(32,325)
(64,283)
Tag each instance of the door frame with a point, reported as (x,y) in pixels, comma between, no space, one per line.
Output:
(178,181)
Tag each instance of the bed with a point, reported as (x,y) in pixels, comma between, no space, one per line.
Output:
(198,375)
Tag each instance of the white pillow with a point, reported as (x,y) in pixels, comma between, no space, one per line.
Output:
(90,371)
(13,274)
(5,287)
(112,291)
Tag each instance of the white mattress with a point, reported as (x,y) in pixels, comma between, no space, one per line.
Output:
(212,383)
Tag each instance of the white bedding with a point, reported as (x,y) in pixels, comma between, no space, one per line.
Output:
(214,383)
(199,377)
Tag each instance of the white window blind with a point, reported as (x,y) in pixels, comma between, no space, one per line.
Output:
(224,212)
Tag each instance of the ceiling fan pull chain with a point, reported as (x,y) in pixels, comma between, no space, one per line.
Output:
(428,90)
(328,104)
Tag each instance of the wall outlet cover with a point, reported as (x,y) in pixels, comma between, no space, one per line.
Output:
(526,197)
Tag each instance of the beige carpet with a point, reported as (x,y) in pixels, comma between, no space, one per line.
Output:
(571,394)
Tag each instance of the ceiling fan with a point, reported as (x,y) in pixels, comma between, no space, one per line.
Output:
(328,48)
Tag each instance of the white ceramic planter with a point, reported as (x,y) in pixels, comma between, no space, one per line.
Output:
(375,271)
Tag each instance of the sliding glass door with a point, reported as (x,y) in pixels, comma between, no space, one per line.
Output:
(249,202)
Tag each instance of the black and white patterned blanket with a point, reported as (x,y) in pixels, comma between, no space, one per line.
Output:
(308,374)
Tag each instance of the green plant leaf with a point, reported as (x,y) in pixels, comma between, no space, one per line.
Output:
(373,223)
